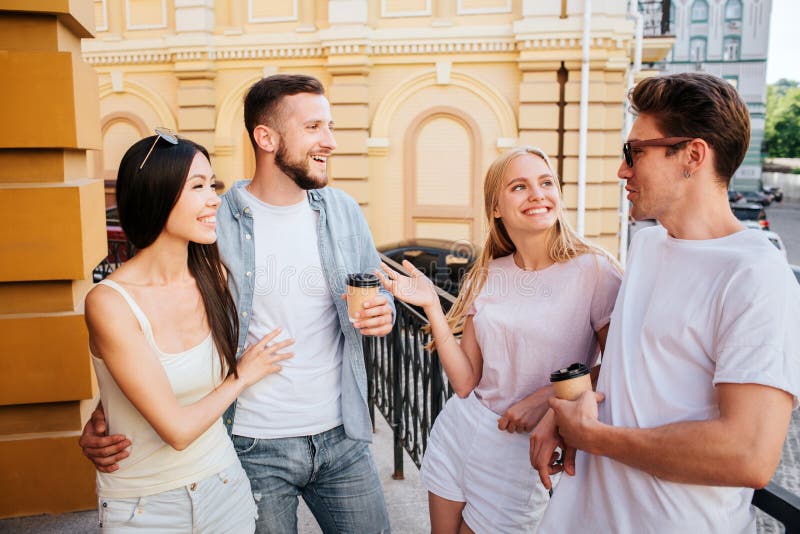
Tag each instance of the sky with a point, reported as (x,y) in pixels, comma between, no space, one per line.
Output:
(782,57)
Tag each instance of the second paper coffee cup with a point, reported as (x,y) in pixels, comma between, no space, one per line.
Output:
(570,382)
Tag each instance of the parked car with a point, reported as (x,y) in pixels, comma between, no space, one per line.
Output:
(119,249)
(444,262)
(751,215)
(757,197)
(734,196)
(776,240)
(775,191)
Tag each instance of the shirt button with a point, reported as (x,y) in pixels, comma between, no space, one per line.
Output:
(228,421)
(249,274)
(247,236)
(193,486)
(247,210)
(225,481)
(244,314)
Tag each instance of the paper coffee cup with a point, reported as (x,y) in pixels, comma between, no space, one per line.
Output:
(361,287)
(570,382)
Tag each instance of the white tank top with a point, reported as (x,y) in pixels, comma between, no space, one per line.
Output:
(154,466)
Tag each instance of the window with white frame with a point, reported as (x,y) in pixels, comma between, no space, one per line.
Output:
(730,48)
(697,49)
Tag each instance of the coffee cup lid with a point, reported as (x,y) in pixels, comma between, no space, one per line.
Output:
(362,280)
(573,371)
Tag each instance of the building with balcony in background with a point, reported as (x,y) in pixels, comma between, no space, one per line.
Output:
(728,38)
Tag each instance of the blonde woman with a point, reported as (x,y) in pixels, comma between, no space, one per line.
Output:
(539,298)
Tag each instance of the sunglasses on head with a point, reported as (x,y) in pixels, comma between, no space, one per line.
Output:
(661,141)
(161,133)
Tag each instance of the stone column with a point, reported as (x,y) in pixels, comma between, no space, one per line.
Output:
(195,70)
(52,234)
(348,65)
(541,55)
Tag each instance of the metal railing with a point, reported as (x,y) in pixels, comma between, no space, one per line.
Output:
(408,387)
(119,251)
(656,14)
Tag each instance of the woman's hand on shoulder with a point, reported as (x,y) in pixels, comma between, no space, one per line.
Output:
(417,289)
(262,359)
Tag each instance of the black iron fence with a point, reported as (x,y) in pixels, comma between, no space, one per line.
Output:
(658,20)
(408,387)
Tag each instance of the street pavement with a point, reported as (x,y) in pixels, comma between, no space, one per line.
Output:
(784,219)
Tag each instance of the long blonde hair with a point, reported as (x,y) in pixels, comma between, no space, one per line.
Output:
(563,244)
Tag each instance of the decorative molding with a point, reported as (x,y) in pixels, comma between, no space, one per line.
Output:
(258,20)
(395,14)
(441,46)
(102,24)
(506,117)
(461,10)
(152,98)
(129,26)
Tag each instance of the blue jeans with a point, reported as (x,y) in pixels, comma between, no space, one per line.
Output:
(334,474)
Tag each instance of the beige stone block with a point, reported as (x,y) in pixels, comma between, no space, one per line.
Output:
(45,417)
(196,96)
(203,137)
(51,232)
(196,118)
(45,474)
(48,88)
(610,243)
(42,165)
(51,361)
(34,31)
(598,143)
(349,93)
(44,297)
(547,140)
(599,91)
(351,142)
(538,116)
(600,116)
(358,189)
(539,91)
(344,167)
(598,168)
(77,16)
(593,198)
(609,221)
(350,115)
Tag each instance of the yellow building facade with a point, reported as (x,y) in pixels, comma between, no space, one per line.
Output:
(424,93)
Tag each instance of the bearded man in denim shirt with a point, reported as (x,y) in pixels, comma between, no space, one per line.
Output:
(288,242)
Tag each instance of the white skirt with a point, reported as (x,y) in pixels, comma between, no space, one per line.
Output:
(470,460)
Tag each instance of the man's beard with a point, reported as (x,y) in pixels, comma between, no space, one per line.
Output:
(298,172)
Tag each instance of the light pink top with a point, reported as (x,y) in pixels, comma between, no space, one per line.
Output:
(530,323)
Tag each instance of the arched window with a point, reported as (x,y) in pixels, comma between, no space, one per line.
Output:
(733,10)
(697,49)
(700,11)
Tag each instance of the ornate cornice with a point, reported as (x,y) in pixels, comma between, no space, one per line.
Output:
(371,47)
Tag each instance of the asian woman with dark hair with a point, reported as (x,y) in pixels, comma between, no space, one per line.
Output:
(162,332)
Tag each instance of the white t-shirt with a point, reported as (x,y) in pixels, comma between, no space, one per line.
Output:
(689,315)
(291,292)
(521,318)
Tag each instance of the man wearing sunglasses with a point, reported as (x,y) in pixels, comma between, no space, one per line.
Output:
(288,242)
(702,364)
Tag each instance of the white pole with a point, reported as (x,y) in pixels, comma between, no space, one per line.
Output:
(637,66)
(584,115)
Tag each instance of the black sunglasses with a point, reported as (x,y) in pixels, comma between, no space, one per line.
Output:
(161,133)
(661,141)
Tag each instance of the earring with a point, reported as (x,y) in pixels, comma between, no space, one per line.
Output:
(686,174)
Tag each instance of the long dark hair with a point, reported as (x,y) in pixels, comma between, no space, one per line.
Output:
(145,198)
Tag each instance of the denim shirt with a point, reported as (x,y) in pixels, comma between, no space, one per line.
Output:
(345,246)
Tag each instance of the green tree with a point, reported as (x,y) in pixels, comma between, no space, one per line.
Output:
(782,128)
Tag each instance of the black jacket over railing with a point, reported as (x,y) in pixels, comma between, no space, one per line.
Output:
(407,385)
